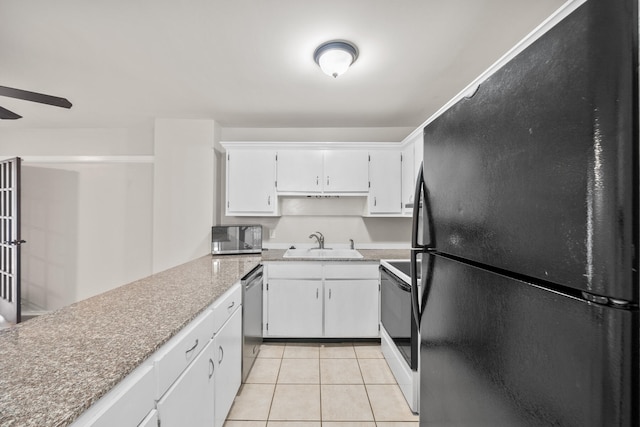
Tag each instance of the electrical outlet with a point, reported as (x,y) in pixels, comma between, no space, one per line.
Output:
(272,233)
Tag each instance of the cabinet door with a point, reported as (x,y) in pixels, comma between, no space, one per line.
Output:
(151,420)
(251,177)
(190,400)
(228,346)
(176,355)
(408,180)
(385,174)
(129,402)
(300,171)
(418,154)
(346,171)
(351,308)
(294,308)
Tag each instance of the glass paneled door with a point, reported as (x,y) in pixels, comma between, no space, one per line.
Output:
(10,240)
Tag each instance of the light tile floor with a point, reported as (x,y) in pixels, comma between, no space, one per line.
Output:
(320,385)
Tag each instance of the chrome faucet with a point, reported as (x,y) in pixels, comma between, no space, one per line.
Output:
(319,238)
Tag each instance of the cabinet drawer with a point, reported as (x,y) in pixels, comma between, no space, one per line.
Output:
(126,404)
(351,270)
(150,420)
(226,305)
(295,270)
(181,350)
(189,400)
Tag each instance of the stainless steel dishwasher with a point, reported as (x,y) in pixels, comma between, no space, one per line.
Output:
(251,319)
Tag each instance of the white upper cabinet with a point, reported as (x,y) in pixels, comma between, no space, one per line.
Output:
(300,171)
(260,172)
(412,154)
(408,177)
(385,175)
(251,178)
(308,171)
(418,153)
(346,171)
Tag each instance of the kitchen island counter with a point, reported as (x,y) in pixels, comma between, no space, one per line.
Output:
(54,367)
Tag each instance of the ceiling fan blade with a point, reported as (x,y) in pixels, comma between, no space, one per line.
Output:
(35,97)
(8,115)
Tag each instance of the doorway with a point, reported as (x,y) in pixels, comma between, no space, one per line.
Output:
(10,240)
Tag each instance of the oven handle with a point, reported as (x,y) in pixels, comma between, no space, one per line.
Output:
(403,286)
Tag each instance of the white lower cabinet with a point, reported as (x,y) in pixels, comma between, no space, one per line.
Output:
(351,308)
(151,420)
(190,399)
(228,371)
(181,350)
(191,380)
(322,300)
(204,392)
(127,404)
(294,307)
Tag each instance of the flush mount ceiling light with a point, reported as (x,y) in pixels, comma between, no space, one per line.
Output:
(335,57)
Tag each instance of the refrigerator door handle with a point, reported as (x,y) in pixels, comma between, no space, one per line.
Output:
(415,306)
(420,204)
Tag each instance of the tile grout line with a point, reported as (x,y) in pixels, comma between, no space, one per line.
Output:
(320,384)
(366,390)
(275,386)
(374,421)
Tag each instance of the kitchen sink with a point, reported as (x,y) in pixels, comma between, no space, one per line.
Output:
(323,253)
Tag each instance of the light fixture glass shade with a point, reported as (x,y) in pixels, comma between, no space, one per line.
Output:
(334,58)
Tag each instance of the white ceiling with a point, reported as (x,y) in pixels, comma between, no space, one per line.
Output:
(248,63)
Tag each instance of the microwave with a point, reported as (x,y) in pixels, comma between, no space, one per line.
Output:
(236,239)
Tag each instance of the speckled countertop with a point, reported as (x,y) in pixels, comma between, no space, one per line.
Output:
(53,367)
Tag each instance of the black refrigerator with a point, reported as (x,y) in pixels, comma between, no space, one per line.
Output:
(526,225)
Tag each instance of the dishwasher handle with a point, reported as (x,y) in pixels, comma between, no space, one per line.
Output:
(254,277)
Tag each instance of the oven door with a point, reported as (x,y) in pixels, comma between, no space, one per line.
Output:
(397,316)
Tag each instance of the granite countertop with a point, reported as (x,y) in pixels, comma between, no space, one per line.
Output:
(53,367)
(367,255)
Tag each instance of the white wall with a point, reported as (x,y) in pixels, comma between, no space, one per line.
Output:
(76,142)
(183,190)
(351,134)
(95,225)
(366,232)
(87,224)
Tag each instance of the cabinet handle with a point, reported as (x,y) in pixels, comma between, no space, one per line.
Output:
(212,367)
(329,293)
(191,349)
(317,180)
(269,200)
(316,293)
(375,201)
(327,179)
(221,355)
(231,306)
